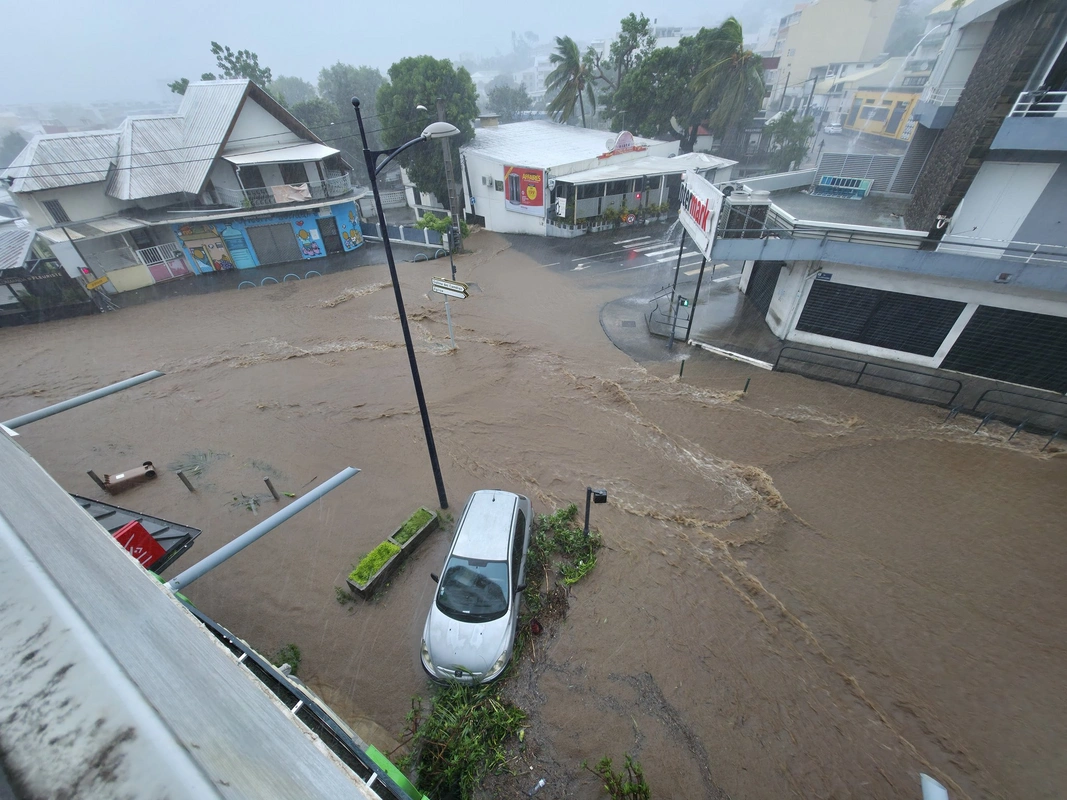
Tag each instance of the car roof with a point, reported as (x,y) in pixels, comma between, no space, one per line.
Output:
(485,530)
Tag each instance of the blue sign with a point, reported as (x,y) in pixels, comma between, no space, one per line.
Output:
(824,276)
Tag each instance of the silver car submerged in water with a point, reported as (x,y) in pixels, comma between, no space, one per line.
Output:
(470,630)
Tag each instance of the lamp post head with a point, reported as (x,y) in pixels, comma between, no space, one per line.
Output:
(600,495)
(439,130)
(355,102)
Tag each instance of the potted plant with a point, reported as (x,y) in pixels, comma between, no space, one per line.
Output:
(417,527)
(374,569)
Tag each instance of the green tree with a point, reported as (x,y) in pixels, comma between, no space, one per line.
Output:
(729,87)
(421,80)
(340,83)
(292,91)
(317,114)
(790,137)
(636,40)
(10,146)
(571,80)
(239,64)
(654,98)
(508,102)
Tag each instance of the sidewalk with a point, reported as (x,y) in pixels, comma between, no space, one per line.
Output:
(721,317)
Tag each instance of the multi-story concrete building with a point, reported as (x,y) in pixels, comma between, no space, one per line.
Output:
(975,281)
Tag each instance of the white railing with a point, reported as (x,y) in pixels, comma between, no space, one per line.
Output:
(942,96)
(265,196)
(1026,252)
(1040,104)
(159,254)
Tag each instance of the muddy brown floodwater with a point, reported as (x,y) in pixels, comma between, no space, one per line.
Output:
(806,591)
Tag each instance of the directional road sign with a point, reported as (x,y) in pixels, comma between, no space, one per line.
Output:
(449,288)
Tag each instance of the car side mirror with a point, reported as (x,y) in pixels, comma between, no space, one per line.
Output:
(521,587)
(435,578)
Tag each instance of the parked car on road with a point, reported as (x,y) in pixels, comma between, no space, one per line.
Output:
(832,129)
(470,629)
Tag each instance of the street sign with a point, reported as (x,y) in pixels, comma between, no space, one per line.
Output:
(97,283)
(449,288)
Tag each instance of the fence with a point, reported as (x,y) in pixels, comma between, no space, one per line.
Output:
(1042,413)
(894,381)
(405,234)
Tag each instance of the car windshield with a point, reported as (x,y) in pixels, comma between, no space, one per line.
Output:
(473,590)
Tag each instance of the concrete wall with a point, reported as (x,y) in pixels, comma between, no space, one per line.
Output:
(1047,220)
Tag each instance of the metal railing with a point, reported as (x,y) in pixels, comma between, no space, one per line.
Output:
(158,254)
(1040,104)
(903,382)
(1026,252)
(266,196)
(942,96)
(782,225)
(1039,413)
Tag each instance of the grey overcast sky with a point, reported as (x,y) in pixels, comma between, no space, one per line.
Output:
(60,51)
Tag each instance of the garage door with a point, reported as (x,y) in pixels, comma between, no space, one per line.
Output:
(762,283)
(1016,346)
(892,320)
(274,244)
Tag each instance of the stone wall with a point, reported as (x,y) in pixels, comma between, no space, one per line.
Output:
(1015,45)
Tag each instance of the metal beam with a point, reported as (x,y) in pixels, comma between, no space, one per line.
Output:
(81,399)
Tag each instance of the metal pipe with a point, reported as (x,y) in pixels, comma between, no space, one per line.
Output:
(266,526)
(696,295)
(678,266)
(81,399)
(588,495)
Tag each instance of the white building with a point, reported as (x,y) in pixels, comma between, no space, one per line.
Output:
(549,179)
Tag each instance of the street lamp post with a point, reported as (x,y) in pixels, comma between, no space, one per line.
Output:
(435,130)
(597,496)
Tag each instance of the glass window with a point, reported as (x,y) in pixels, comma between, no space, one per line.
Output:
(516,547)
(473,590)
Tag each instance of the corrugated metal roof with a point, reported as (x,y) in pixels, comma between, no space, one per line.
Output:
(540,144)
(51,161)
(208,110)
(15,243)
(649,165)
(150,159)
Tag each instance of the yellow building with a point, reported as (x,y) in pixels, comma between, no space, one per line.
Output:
(883,113)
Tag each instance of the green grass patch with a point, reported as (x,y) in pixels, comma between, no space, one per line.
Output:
(463,739)
(412,526)
(372,562)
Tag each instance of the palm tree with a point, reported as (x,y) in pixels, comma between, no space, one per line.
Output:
(729,87)
(572,77)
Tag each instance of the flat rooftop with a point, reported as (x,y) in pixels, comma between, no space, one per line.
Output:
(876,211)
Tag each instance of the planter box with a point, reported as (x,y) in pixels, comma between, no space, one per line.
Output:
(385,572)
(416,538)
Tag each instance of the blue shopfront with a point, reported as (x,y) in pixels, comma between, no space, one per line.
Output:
(223,244)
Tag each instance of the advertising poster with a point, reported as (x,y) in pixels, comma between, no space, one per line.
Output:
(700,204)
(524,190)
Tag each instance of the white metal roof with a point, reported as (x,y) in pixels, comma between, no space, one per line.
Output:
(208,110)
(149,159)
(283,154)
(15,243)
(649,166)
(54,160)
(890,68)
(540,144)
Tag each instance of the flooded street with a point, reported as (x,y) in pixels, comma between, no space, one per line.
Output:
(805,591)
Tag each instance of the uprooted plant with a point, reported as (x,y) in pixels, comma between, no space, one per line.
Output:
(627,784)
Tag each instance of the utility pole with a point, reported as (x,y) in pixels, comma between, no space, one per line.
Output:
(456,240)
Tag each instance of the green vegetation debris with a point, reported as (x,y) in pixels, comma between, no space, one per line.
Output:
(626,784)
(372,562)
(462,740)
(288,654)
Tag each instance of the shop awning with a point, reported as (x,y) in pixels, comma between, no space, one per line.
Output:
(283,154)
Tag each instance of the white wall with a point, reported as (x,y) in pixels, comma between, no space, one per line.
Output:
(795,282)
(83,202)
(256,129)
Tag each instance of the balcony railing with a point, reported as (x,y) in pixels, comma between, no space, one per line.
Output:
(942,96)
(266,196)
(1040,104)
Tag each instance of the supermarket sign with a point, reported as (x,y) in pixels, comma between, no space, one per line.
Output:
(699,211)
